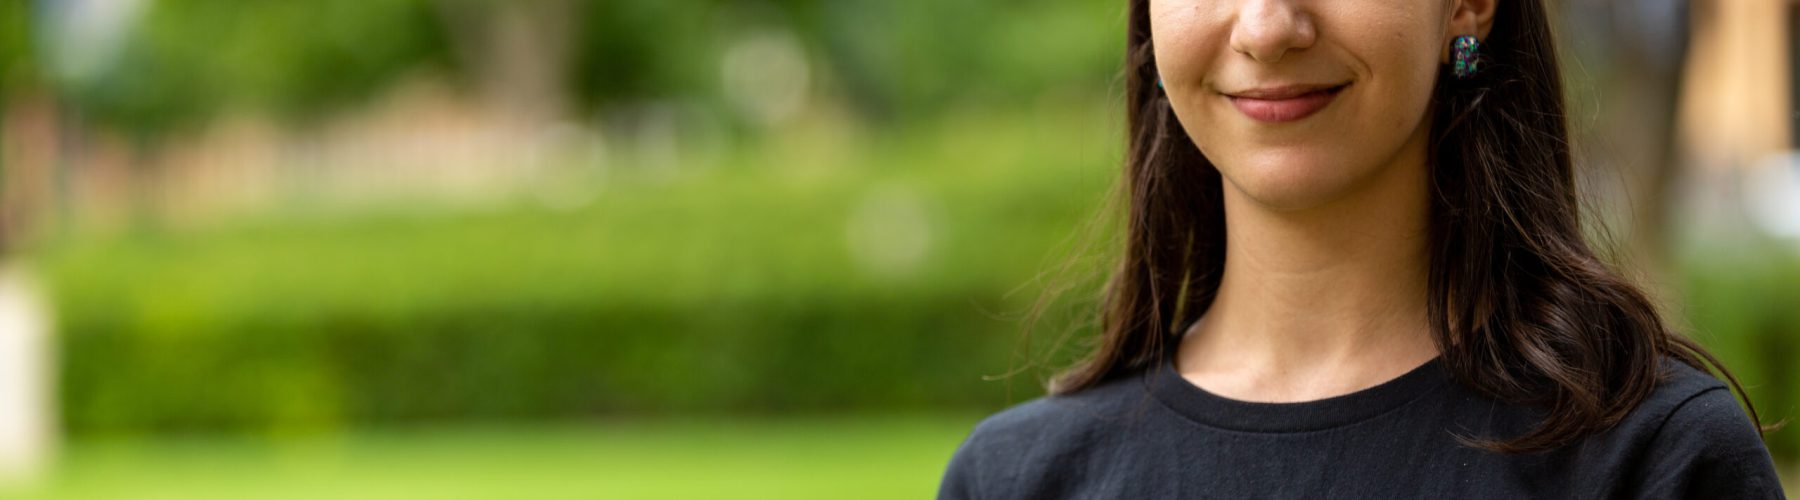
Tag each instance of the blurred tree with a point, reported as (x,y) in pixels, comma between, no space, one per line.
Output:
(516,52)
(911,59)
(191,59)
(18,65)
(18,72)
(1631,57)
(627,51)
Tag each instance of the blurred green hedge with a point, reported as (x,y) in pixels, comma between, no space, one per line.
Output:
(733,287)
(1743,302)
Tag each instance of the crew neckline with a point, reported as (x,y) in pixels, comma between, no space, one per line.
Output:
(1206,408)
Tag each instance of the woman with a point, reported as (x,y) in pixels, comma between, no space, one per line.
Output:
(1354,268)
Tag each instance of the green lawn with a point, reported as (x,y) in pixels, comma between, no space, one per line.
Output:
(851,457)
(796,458)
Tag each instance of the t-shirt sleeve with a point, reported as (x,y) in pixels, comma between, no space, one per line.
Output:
(1708,448)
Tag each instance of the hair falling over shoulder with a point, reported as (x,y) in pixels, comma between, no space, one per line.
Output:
(1521,307)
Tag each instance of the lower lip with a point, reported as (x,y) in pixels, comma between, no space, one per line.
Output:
(1285,110)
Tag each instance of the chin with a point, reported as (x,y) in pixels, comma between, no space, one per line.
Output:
(1288,181)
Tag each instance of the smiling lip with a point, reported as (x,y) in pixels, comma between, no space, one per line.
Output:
(1285,103)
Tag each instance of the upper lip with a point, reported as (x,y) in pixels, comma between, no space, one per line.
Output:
(1288,91)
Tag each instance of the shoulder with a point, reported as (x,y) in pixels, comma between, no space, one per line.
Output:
(1689,400)
(1103,407)
(1684,395)
(1692,437)
(1005,444)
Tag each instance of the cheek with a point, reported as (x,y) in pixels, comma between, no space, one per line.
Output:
(1188,37)
(1402,56)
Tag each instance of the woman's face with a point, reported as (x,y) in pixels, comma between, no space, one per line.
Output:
(1302,102)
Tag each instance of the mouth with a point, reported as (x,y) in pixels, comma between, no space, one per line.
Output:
(1284,103)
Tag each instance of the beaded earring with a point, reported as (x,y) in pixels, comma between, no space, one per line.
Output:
(1466,51)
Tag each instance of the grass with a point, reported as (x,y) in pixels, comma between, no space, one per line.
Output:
(794,458)
(813,457)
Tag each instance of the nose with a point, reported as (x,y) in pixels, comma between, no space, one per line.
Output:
(1267,29)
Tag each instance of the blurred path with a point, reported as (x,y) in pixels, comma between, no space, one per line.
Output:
(26,434)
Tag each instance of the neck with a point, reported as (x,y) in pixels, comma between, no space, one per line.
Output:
(1319,301)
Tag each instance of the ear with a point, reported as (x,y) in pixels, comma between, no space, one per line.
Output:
(1468,17)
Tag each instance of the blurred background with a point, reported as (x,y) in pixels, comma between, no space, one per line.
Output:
(680,248)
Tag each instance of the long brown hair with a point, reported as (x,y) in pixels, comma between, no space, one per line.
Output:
(1520,306)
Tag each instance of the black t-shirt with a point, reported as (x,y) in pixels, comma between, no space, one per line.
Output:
(1155,435)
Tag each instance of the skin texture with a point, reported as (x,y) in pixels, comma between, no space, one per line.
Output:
(1323,291)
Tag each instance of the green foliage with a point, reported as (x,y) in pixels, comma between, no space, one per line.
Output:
(190,59)
(18,63)
(908,59)
(731,289)
(646,50)
(859,457)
